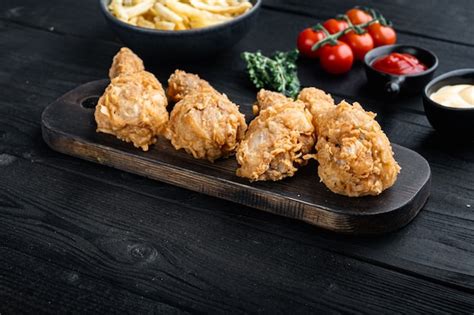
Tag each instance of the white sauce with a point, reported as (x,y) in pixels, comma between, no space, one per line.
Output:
(458,96)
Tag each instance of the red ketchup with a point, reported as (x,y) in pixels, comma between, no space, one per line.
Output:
(397,63)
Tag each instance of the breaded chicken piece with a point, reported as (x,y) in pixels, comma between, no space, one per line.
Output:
(125,62)
(277,140)
(204,122)
(133,106)
(182,83)
(318,103)
(354,154)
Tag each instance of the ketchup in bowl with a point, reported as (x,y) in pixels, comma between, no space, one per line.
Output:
(398,63)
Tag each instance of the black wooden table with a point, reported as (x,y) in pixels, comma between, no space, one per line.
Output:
(80,237)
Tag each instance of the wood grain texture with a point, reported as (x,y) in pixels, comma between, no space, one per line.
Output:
(426,267)
(68,126)
(39,285)
(409,17)
(29,80)
(176,257)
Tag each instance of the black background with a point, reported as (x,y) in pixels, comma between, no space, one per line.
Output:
(80,237)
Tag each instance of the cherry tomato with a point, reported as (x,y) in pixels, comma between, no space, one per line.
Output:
(333,26)
(306,40)
(359,43)
(336,59)
(382,35)
(358,16)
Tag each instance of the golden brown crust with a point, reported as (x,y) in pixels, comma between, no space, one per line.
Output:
(354,154)
(266,99)
(182,83)
(133,107)
(277,140)
(125,62)
(204,122)
(317,101)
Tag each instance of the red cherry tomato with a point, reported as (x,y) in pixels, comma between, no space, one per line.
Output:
(359,43)
(336,59)
(333,26)
(306,40)
(358,16)
(382,35)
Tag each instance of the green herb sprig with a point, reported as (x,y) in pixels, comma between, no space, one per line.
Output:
(277,72)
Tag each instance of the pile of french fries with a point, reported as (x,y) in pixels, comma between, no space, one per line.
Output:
(176,15)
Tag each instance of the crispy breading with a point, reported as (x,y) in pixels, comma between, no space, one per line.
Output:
(125,62)
(277,140)
(204,122)
(133,106)
(182,83)
(354,154)
(317,101)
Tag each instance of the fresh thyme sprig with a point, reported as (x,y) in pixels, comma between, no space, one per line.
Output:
(277,72)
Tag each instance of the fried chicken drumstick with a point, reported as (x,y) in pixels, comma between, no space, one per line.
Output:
(133,107)
(277,139)
(203,122)
(354,154)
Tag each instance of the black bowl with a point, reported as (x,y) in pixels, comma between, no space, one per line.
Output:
(182,45)
(458,121)
(407,84)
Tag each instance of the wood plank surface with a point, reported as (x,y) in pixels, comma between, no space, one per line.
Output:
(30,284)
(69,127)
(426,267)
(42,87)
(409,128)
(190,259)
(409,17)
(436,19)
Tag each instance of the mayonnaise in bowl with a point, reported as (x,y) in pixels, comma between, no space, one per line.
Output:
(456,96)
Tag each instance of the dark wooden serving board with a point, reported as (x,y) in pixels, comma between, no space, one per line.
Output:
(68,126)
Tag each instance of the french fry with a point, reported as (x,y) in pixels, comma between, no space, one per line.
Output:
(165,25)
(118,10)
(142,22)
(209,19)
(177,14)
(222,2)
(238,9)
(133,20)
(183,8)
(181,27)
(167,14)
(139,8)
(233,2)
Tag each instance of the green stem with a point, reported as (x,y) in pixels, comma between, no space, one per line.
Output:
(332,38)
